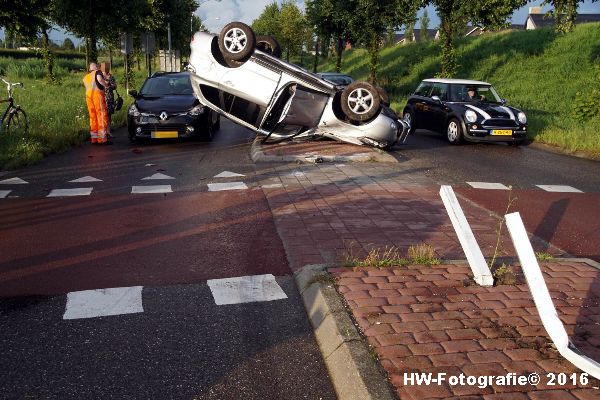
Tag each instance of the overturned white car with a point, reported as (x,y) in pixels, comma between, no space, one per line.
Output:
(239,76)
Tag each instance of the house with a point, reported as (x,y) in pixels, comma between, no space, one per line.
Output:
(400,39)
(537,19)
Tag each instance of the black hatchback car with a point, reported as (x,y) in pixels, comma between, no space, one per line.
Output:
(464,109)
(166,107)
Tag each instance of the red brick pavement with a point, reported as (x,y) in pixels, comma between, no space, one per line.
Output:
(451,327)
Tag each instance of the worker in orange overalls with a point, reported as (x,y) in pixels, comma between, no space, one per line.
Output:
(94,83)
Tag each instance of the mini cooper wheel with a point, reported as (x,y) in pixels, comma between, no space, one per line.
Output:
(409,118)
(269,45)
(360,101)
(454,131)
(236,41)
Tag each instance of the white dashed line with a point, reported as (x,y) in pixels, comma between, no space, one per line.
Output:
(104,302)
(246,289)
(70,192)
(4,193)
(13,181)
(86,179)
(157,176)
(217,187)
(559,188)
(151,189)
(228,174)
(488,185)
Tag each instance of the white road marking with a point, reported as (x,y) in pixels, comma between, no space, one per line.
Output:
(13,181)
(559,188)
(272,186)
(104,302)
(4,193)
(246,289)
(86,179)
(70,192)
(488,185)
(149,165)
(151,189)
(217,187)
(228,174)
(157,176)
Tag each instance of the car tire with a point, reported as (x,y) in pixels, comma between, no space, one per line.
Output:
(236,41)
(209,134)
(217,125)
(385,98)
(269,45)
(132,137)
(360,101)
(409,117)
(454,133)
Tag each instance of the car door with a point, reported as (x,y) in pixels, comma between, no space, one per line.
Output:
(421,105)
(437,109)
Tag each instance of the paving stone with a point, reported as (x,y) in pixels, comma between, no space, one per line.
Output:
(461,346)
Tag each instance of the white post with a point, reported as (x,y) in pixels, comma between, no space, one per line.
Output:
(481,271)
(543,302)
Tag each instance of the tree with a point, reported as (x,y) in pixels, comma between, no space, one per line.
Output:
(455,14)
(409,32)
(424,31)
(565,13)
(68,44)
(268,22)
(331,20)
(372,18)
(293,27)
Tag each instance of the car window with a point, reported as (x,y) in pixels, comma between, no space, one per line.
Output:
(440,90)
(424,89)
(167,85)
(486,93)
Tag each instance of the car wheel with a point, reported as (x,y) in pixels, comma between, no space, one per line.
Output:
(454,131)
(409,118)
(217,125)
(269,45)
(209,134)
(385,98)
(132,137)
(360,101)
(236,41)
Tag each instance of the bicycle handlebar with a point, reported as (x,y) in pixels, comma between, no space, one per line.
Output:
(10,86)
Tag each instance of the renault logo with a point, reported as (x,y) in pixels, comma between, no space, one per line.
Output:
(163,115)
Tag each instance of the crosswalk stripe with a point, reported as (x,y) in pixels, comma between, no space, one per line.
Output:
(151,189)
(217,187)
(86,179)
(246,289)
(4,193)
(559,188)
(70,192)
(13,181)
(104,302)
(488,185)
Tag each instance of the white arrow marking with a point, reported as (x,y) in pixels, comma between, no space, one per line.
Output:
(487,185)
(13,181)
(4,193)
(86,179)
(227,174)
(157,176)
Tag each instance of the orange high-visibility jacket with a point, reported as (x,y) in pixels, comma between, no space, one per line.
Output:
(96,104)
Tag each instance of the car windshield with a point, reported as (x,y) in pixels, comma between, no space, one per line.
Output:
(474,93)
(167,85)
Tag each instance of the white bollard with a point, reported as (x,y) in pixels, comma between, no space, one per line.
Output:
(543,302)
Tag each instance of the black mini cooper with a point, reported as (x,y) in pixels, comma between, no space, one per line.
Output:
(464,109)
(166,108)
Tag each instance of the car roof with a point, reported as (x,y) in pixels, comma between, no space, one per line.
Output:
(457,81)
(162,73)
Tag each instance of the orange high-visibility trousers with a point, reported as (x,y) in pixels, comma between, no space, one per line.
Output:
(96,104)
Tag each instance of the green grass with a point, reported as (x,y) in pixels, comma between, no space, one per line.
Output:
(537,71)
(57,114)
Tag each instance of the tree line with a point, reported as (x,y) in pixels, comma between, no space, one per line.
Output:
(334,23)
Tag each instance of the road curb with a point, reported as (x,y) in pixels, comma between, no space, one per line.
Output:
(370,155)
(558,150)
(353,370)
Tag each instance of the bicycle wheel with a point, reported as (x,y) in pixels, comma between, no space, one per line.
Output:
(17,122)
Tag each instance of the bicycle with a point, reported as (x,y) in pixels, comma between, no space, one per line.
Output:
(14,118)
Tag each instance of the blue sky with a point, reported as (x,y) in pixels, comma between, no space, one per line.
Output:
(216,13)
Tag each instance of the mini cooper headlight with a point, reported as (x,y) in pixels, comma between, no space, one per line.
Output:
(522,118)
(133,111)
(471,116)
(196,110)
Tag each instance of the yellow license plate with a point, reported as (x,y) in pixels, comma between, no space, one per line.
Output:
(165,135)
(502,132)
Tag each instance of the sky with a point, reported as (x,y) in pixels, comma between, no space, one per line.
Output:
(216,13)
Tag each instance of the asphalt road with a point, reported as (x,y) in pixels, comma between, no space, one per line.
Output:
(182,345)
(567,220)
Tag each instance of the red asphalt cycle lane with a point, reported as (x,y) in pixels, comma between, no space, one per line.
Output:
(53,246)
(570,221)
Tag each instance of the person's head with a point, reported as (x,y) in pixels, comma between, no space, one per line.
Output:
(105,68)
(93,66)
(472,92)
